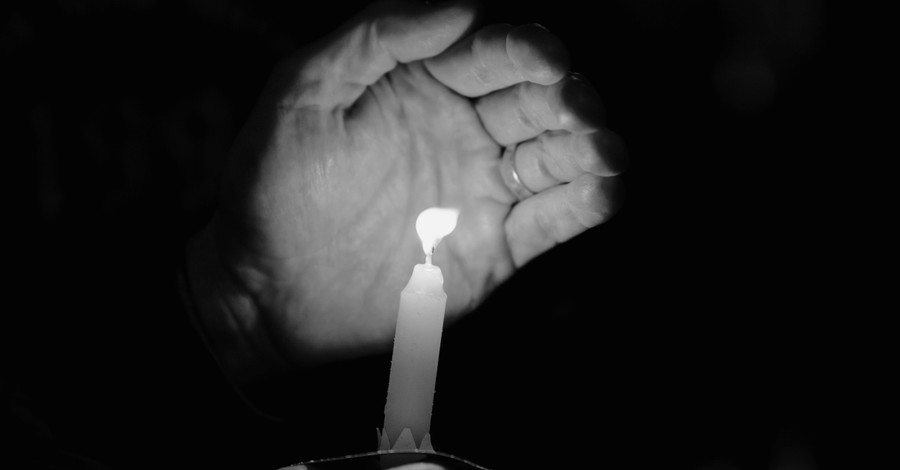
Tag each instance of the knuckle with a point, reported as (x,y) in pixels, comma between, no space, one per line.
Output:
(480,70)
(548,155)
(540,55)
(525,112)
(482,48)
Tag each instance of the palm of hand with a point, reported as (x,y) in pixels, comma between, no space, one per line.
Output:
(356,136)
(336,202)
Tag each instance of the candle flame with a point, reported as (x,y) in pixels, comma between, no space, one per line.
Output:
(434,224)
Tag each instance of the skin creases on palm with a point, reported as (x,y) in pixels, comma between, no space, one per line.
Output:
(336,202)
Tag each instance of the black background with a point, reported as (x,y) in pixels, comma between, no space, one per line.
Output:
(718,321)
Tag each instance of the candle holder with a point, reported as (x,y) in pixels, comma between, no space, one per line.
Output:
(403,454)
(413,369)
(384,460)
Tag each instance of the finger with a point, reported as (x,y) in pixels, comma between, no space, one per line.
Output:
(546,219)
(526,110)
(377,39)
(561,156)
(498,56)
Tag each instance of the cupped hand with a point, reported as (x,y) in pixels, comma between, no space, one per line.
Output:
(402,109)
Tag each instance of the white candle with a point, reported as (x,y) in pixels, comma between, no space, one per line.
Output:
(417,339)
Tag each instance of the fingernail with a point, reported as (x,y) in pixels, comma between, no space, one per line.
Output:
(580,78)
(582,99)
(612,151)
(614,191)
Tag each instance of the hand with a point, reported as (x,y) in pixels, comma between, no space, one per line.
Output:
(398,111)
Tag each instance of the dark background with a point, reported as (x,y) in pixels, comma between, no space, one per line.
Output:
(718,321)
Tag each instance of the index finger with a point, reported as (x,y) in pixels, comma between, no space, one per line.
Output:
(499,56)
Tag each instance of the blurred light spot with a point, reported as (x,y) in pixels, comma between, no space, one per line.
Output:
(745,84)
(17,32)
(49,192)
(794,458)
(718,465)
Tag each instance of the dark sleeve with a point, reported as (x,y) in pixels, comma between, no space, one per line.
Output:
(106,370)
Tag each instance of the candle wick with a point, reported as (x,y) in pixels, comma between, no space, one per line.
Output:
(428,256)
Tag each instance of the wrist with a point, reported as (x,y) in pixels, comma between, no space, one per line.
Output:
(227,317)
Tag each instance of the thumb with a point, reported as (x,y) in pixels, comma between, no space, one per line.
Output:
(371,44)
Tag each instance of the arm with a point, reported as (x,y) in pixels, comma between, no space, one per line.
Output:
(403,108)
